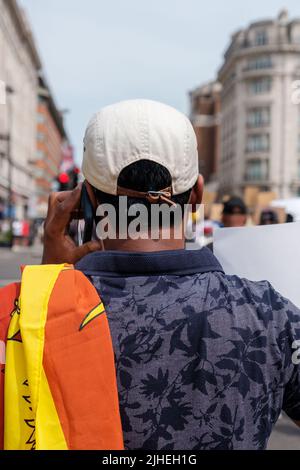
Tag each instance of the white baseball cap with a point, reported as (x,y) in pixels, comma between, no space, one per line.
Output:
(134,130)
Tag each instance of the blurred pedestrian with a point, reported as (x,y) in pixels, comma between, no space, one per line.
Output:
(289,218)
(268,217)
(234,212)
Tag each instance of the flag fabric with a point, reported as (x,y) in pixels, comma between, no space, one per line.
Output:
(8,300)
(60,389)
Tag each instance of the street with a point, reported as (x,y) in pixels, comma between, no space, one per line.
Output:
(286,435)
(10,262)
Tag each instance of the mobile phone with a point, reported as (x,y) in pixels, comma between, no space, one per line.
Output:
(86,224)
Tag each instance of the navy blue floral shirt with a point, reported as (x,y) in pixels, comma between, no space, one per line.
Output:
(204,360)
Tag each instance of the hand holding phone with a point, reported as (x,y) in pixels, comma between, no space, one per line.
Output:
(59,247)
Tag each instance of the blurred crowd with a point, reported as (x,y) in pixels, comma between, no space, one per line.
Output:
(234,212)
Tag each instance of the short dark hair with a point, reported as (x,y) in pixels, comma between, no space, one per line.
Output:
(143,175)
(234,205)
(268,216)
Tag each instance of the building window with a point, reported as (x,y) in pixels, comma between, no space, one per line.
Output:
(258,143)
(261,38)
(257,170)
(260,85)
(40,118)
(261,62)
(40,137)
(258,117)
(40,154)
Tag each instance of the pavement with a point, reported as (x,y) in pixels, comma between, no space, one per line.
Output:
(286,435)
(10,262)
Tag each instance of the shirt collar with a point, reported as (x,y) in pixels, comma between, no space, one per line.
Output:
(119,263)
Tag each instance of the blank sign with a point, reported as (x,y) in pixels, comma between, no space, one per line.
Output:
(269,253)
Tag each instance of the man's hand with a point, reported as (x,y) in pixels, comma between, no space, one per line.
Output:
(58,245)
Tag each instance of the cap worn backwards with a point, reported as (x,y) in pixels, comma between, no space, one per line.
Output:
(134,130)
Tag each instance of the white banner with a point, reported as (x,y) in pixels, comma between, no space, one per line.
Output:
(269,253)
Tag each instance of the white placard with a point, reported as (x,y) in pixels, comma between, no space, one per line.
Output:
(2,92)
(269,253)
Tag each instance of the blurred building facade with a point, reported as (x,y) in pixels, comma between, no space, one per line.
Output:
(205,105)
(247,122)
(51,140)
(260,125)
(19,64)
(33,139)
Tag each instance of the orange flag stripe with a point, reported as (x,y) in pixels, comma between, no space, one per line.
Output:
(79,365)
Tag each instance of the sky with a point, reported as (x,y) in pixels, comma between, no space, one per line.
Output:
(98,52)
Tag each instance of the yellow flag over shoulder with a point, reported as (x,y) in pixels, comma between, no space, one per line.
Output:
(60,383)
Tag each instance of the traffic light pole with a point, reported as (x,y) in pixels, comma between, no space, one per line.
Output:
(9,92)
(7,139)
(10,195)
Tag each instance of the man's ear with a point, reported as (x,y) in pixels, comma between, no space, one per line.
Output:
(197,193)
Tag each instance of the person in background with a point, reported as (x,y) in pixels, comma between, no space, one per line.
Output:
(268,217)
(289,218)
(234,213)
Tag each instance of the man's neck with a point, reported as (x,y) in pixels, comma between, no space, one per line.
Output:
(165,242)
(143,245)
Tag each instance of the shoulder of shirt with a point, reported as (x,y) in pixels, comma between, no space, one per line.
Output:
(260,292)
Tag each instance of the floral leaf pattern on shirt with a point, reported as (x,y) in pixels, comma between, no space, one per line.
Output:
(203,361)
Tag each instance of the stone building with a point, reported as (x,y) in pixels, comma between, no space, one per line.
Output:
(51,137)
(19,66)
(260,125)
(205,105)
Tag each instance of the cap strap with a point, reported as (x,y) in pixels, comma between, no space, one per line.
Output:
(154,197)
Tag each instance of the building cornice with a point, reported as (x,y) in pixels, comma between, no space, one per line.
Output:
(262,23)
(210,88)
(23,31)
(256,51)
(205,120)
(45,93)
